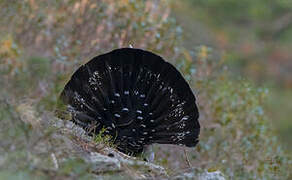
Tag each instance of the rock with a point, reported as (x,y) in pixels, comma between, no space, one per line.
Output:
(216,175)
(108,163)
(195,173)
(101,163)
(132,161)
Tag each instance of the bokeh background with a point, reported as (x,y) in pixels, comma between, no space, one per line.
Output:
(255,39)
(236,55)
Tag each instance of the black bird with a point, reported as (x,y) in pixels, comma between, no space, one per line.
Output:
(137,97)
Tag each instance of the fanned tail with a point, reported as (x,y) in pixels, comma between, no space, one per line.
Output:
(137,97)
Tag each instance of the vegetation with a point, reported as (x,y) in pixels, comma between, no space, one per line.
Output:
(43,42)
(237,137)
(103,139)
(255,39)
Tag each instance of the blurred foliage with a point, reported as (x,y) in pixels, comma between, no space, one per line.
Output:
(255,36)
(27,147)
(254,39)
(236,136)
(60,35)
(229,11)
(43,42)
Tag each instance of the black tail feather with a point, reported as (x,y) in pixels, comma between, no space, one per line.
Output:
(138,97)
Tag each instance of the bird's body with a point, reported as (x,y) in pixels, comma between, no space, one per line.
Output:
(137,97)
